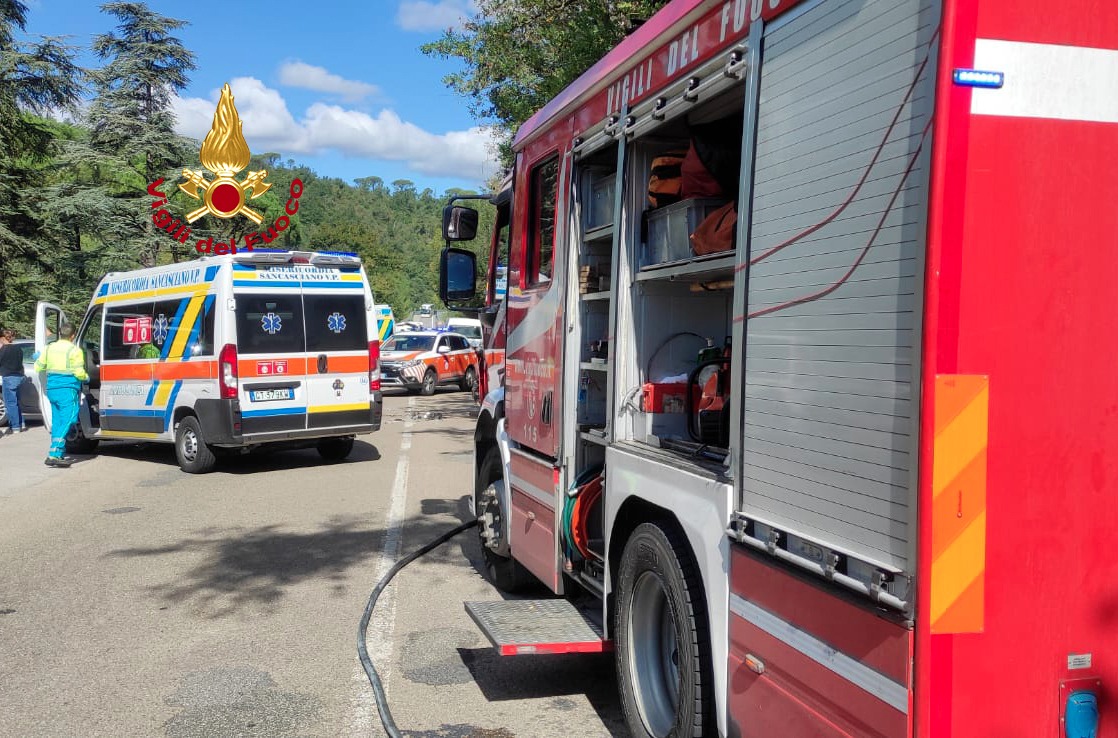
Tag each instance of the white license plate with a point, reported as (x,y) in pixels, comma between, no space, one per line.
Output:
(272,394)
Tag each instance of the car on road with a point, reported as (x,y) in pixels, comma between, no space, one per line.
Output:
(28,397)
(468,327)
(423,360)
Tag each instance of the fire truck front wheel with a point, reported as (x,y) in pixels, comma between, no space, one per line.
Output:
(663,652)
(500,568)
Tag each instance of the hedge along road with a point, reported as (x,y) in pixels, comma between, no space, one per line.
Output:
(138,600)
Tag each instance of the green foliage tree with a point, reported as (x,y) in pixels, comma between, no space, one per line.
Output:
(131,122)
(518,55)
(73,199)
(35,78)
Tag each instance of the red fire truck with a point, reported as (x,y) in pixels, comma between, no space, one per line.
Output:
(852,471)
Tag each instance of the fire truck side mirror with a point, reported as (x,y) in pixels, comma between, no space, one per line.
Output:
(459,223)
(457,275)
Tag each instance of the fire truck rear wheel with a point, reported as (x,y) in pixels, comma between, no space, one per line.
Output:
(500,569)
(430,381)
(193,455)
(663,646)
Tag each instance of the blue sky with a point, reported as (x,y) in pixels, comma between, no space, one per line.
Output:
(338,85)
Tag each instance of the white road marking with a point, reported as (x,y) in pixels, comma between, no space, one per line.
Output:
(378,638)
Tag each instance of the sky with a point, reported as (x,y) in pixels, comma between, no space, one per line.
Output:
(338,85)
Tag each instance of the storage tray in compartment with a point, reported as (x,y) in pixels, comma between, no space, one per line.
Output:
(670,228)
(599,200)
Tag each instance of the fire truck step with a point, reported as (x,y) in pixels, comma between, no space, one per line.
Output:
(520,627)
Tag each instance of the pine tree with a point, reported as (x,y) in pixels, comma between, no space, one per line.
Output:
(35,79)
(131,126)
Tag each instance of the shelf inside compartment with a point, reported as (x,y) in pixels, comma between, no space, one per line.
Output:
(589,296)
(594,366)
(713,267)
(601,234)
(590,437)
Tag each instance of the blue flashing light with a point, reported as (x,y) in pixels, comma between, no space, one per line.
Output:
(979,78)
(337,253)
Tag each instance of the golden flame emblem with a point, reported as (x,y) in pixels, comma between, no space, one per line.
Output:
(225,152)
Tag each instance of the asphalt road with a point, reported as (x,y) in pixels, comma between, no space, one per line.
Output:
(136,600)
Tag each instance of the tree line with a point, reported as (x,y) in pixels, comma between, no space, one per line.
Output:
(78,148)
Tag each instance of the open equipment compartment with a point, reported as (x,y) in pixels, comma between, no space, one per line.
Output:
(680,304)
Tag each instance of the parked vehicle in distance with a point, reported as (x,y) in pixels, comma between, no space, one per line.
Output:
(386,321)
(420,361)
(28,397)
(468,327)
(426,309)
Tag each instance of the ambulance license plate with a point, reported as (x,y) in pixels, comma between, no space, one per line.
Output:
(272,394)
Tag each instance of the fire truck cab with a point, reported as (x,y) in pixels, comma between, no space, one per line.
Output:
(806,407)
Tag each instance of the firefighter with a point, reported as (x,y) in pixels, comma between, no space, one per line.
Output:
(64,364)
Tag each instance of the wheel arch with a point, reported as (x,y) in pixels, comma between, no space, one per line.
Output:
(700,506)
(633,512)
(182,411)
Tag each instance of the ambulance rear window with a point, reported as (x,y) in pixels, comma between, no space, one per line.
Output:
(270,325)
(335,323)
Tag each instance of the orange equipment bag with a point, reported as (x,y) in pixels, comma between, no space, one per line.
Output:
(717,232)
(664,184)
(695,179)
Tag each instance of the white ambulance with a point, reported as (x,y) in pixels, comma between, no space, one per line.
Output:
(229,352)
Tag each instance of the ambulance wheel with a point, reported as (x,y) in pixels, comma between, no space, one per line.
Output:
(663,644)
(77,443)
(503,571)
(194,456)
(469,381)
(430,381)
(335,449)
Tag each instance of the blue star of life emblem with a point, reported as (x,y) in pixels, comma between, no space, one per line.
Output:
(271,323)
(336,322)
(160,329)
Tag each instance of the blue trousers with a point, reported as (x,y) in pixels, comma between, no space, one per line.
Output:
(11,401)
(63,414)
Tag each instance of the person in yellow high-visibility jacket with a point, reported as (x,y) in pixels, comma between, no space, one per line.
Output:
(64,364)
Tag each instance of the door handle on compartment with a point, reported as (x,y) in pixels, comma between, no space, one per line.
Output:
(323,363)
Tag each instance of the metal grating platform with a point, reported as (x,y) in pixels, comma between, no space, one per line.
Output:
(520,627)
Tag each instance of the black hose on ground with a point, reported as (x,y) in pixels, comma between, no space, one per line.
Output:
(363,651)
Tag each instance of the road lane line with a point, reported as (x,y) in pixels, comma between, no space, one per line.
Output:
(379,636)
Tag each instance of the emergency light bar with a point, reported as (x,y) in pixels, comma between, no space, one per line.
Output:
(324,258)
(978,78)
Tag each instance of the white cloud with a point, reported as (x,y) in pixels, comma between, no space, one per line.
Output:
(424,15)
(308,77)
(269,126)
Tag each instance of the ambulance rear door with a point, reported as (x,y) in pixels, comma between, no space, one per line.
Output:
(337,313)
(271,348)
(48,318)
